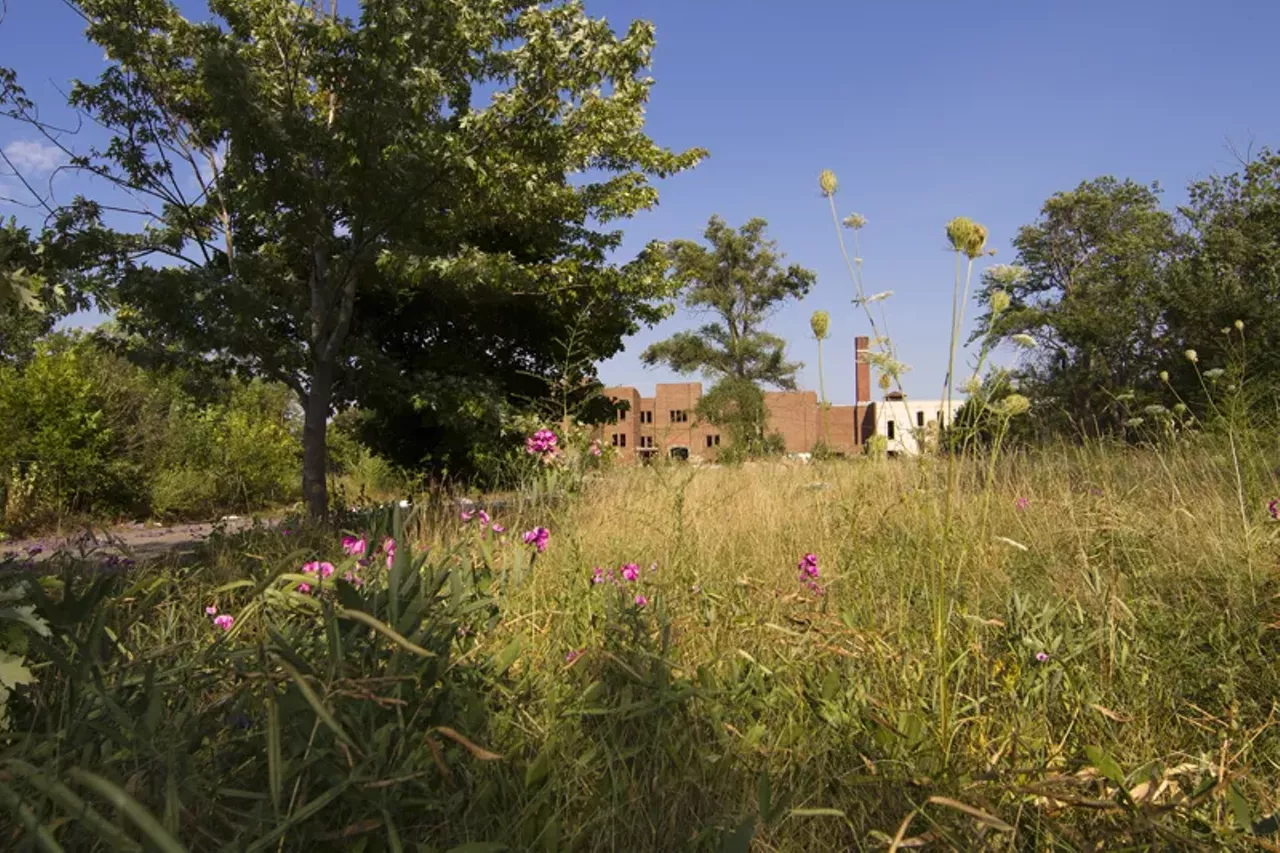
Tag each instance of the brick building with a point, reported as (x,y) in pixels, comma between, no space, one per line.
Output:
(665,423)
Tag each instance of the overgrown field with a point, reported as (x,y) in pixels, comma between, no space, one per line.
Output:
(1086,660)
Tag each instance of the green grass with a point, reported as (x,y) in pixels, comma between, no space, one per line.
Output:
(502,697)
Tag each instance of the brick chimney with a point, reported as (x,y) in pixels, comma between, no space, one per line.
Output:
(864,420)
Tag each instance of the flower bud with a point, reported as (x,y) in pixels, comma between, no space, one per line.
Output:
(827,182)
(1239,325)
(966,236)
(1164,376)
(999,301)
(820,322)
(1192,356)
(1014,405)
(855,221)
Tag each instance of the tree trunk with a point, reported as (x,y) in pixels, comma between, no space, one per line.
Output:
(315,425)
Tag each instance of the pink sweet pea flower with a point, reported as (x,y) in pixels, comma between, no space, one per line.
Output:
(389,548)
(353,579)
(498,528)
(468,514)
(304,588)
(353,546)
(483,516)
(641,601)
(631,571)
(597,575)
(225,621)
(538,538)
(211,610)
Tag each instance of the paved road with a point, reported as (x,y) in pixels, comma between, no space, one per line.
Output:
(136,541)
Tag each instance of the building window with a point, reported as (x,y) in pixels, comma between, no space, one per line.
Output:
(615,439)
(622,440)
(713,441)
(646,417)
(622,415)
(646,441)
(679,416)
(889,430)
(919,417)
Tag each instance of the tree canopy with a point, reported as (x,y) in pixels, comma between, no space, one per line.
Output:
(374,208)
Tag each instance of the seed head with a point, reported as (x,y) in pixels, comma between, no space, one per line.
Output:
(1239,325)
(820,322)
(1023,340)
(999,301)
(1192,356)
(1164,376)
(884,382)
(855,221)
(827,182)
(967,236)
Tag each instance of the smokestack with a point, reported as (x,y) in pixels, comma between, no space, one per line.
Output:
(862,370)
(863,419)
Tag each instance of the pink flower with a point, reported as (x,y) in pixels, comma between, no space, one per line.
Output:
(573,655)
(809,567)
(468,514)
(389,548)
(541,442)
(595,450)
(225,621)
(597,575)
(353,546)
(538,538)
(304,588)
(483,516)
(1022,503)
(498,528)
(1042,657)
(1273,508)
(641,601)
(353,579)
(211,610)
(631,571)
(324,570)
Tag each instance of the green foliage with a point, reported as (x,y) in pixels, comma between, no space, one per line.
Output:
(400,209)
(84,432)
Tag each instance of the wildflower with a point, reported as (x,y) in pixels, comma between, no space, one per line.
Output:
(967,236)
(594,449)
(1005,275)
(353,579)
(389,548)
(1273,509)
(597,575)
(816,588)
(1014,405)
(324,570)
(1214,373)
(1022,503)
(999,301)
(498,528)
(225,621)
(631,571)
(854,221)
(573,655)
(468,514)
(641,601)
(1042,657)
(1192,356)
(820,322)
(1023,340)
(286,532)
(304,588)
(827,182)
(1164,376)
(484,517)
(537,537)
(353,546)
(809,567)
(211,610)
(542,442)
(1239,324)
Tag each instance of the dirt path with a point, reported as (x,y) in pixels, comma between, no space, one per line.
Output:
(133,541)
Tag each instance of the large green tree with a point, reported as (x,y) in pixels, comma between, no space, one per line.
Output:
(1092,298)
(315,183)
(739,280)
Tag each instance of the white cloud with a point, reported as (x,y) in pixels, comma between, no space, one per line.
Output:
(33,156)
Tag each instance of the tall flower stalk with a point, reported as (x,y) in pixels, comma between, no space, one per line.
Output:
(820,322)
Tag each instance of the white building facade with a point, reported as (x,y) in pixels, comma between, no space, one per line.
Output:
(911,426)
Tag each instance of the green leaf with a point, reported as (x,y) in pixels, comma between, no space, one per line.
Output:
(131,809)
(537,771)
(1240,809)
(817,813)
(1105,764)
(317,704)
(739,841)
(13,671)
(507,657)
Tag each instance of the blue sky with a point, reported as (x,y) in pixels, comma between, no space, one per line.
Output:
(925,110)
